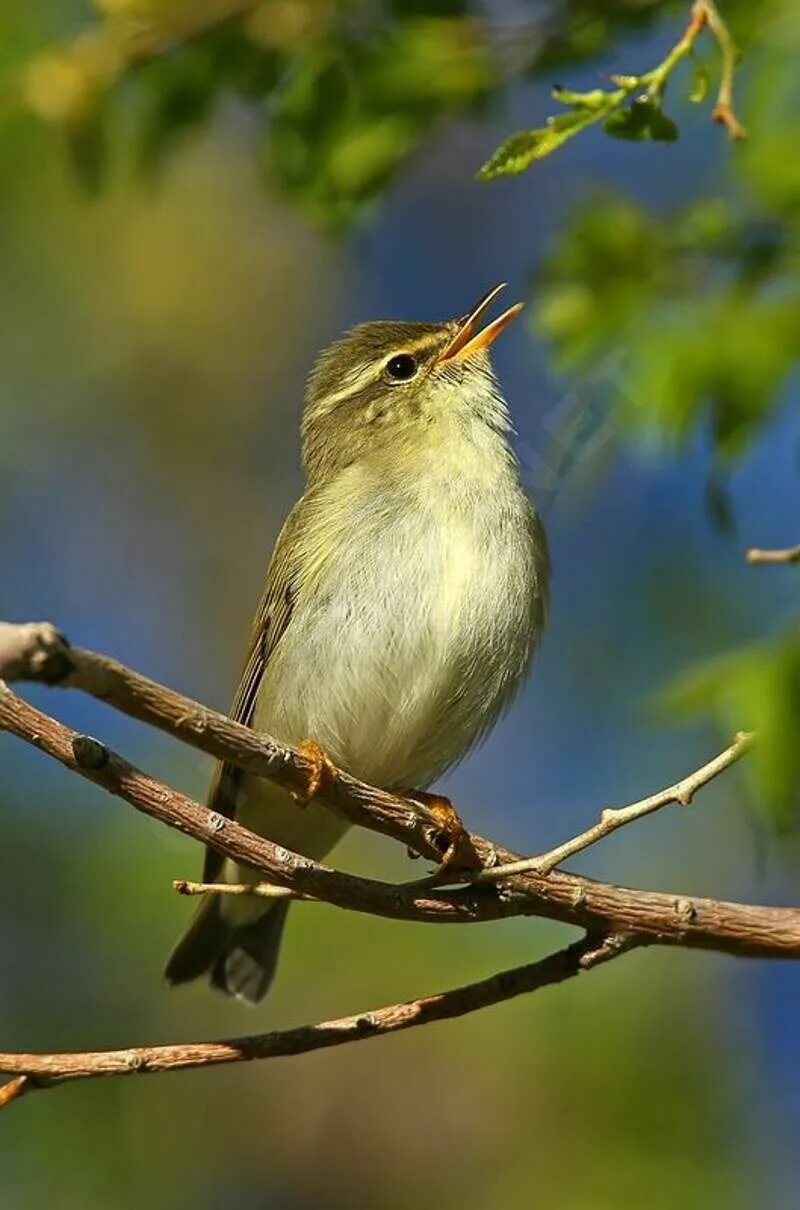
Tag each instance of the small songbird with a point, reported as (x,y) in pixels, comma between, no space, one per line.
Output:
(404,600)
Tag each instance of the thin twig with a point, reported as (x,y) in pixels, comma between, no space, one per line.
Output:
(14,1089)
(681,792)
(656,79)
(258,890)
(791,554)
(49,1069)
(723,111)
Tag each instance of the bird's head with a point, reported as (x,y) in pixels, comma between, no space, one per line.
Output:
(388,382)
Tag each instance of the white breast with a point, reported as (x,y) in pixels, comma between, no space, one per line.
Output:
(418,630)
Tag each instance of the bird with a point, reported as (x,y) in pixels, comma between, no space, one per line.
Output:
(404,601)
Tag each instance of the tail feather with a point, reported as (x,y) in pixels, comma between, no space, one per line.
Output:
(200,945)
(234,941)
(245,966)
(239,960)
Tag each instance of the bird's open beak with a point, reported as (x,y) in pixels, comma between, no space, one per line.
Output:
(468,339)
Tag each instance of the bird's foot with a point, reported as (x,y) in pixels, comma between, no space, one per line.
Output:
(452,833)
(321,771)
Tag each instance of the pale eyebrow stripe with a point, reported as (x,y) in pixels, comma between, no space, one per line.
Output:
(372,371)
(356,382)
(428,341)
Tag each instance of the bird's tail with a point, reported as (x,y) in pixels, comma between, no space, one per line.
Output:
(234,940)
(238,958)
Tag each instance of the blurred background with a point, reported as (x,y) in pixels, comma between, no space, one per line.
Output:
(194,199)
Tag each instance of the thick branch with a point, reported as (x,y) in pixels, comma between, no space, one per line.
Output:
(42,1071)
(39,652)
(94,761)
(597,907)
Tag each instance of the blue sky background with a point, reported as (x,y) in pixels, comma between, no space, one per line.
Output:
(155,348)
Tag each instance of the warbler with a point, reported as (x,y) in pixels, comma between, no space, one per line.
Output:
(404,600)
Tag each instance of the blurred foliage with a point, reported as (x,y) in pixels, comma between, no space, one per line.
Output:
(350,113)
(757,687)
(704,302)
(701,307)
(344,90)
(343,93)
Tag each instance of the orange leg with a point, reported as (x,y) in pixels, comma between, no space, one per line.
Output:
(321,771)
(449,821)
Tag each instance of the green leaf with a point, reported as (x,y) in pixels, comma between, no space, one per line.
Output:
(662,129)
(643,119)
(598,98)
(630,122)
(522,149)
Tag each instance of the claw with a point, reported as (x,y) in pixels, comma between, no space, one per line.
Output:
(321,771)
(452,830)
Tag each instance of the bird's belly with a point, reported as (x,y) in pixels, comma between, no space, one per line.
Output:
(405,652)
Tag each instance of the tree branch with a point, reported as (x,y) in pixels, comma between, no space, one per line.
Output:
(39,652)
(601,908)
(36,1071)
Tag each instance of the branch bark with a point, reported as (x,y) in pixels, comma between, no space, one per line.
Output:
(39,652)
(36,1071)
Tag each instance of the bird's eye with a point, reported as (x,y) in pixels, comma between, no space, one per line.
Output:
(401,367)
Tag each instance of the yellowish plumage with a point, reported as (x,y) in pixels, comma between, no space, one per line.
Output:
(403,603)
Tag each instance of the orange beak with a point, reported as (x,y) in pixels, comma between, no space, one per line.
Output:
(468,339)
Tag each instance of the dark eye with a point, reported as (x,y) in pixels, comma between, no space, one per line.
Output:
(401,367)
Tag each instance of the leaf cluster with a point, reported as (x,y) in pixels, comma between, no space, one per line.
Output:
(633,108)
(631,111)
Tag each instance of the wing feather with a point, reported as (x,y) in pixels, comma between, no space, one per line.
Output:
(272,618)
